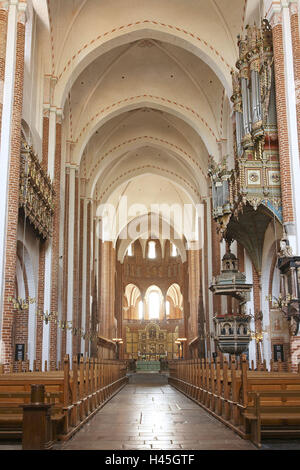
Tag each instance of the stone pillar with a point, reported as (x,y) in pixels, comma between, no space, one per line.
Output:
(65,262)
(55,243)
(208,273)
(75,265)
(42,251)
(283,18)
(279,17)
(71,257)
(257,308)
(52,245)
(216,264)
(88,276)
(84,270)
(99,270)
(80,270)
(107,289)
(10,166)
(104,288)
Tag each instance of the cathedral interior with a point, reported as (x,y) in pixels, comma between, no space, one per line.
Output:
(150,216)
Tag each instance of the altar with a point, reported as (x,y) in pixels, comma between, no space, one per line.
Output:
(147,366)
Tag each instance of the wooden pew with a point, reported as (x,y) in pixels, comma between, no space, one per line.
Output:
(15,391)
(76,394)
(273,414)
(227,392)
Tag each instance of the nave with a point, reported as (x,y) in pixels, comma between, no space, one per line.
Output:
(149,213)
(150,414)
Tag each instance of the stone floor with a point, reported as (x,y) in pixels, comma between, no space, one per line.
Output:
(149,414)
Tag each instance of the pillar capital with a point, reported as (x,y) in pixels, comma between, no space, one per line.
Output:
(72,167)
(275,17)
(49,87)
(4,5)
(48,109)
(294,10)
(274,10)
(21,4)
(22,12)
(59,116)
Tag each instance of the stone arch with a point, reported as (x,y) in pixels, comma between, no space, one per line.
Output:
(139,30)
(174,296)
(129,175)
(125,242)
(132,295)
(271,243)
(26,287)
(147,302)
(109,158)
(186,114)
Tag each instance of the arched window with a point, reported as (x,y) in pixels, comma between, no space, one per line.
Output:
(167,308)
(130,250)
(154,305)
(174,250)
(152,250)
(141,309)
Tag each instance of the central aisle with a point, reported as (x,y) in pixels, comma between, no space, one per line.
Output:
(150,414)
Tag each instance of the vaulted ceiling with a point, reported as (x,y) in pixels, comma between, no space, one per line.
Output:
(145,91)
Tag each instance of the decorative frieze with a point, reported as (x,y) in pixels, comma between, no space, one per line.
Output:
(36,193)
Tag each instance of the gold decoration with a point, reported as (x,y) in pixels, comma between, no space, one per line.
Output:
(36,193)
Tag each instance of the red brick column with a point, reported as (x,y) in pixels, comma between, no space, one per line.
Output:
(55,246)
(216,263)
(45,143)
(13,198)
(295,352)
(294,340)
(289,210)
(21,317)
(3,32)
(296,55)
(206,281)
(75,266)
(107,296)
(42,255)
(113,292)
(282,123)
(80,278)
(65,262)
(257,305)
(88,274)
(104,288)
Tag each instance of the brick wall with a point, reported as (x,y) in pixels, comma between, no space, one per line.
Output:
(284,153)
(75,266)
(21,316)
(216,262)
(88,276)
(13,196)
(55,246)
(257,302)
(80,267)
(65,262)
(3,29)
(296,56)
